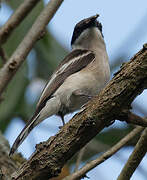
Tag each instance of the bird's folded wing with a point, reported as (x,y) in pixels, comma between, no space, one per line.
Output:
(72,63)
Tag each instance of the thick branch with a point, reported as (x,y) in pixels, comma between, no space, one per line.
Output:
(8,165)
(16,19)
(18,57)
(50,156)
(135,158)
(92,164)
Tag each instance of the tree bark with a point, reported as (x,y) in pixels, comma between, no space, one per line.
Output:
(7,165)
(113,102)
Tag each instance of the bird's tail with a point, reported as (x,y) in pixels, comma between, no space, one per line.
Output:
(51,107)
(24,133)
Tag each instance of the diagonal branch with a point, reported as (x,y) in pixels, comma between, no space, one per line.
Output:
(3,55)
(92,164)
(79,159)
(16,19)
(50,156)
(135,158)
(18,57)
(131,118)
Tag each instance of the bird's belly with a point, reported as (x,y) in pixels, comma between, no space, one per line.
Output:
(86,83)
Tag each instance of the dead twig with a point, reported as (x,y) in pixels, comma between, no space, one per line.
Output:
(135,158)
(92,164)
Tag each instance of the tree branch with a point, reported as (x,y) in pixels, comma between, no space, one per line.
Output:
(79,158)
(135,158)
(16,19)
(18,57)
(50,156)
(92,164)
(7,165)
(131,118)
(3,55)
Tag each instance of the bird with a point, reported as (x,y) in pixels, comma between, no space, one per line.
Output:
(82,74)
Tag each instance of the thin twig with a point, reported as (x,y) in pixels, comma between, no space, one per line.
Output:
(3,55)
(81,173)
(132,118)
(18,57)
(135,119)
(135,158)
(18,16)
(79,158)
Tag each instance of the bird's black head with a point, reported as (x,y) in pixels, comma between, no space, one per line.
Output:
(85,24)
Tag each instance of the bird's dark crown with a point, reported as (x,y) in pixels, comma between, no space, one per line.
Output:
(84,24)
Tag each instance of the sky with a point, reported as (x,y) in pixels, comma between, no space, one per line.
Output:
(124,28)
(119,19)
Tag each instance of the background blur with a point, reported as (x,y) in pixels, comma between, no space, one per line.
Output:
(125,31)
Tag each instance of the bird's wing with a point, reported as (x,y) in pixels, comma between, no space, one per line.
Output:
(72,63)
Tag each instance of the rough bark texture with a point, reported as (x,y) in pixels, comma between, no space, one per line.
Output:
(7,165)
(111,103)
